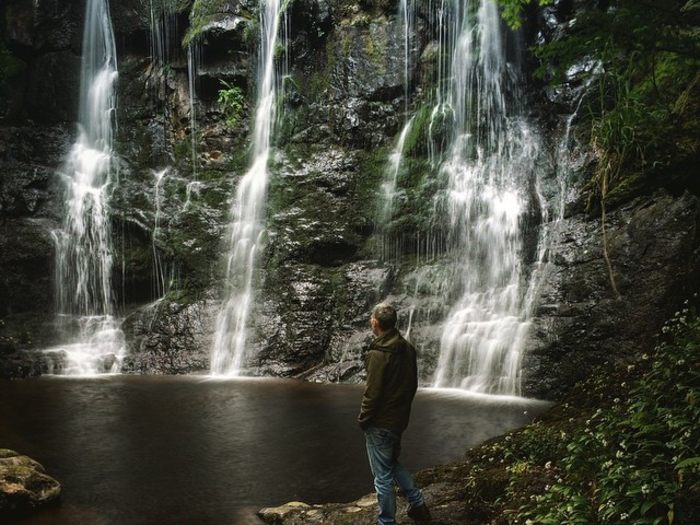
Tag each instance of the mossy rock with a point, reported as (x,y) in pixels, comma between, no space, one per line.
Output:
(492,484)
(24,486)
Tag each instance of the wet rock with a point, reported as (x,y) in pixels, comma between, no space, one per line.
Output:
(26,282)
(654,250)
(46,37)
(298,513)
(20,363)
(443,490)
(52,24)
(25,486)
(169,337)
(369,58)
(30,160)
(225,52)
(315,319)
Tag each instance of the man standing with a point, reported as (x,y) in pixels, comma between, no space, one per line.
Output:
(392,380)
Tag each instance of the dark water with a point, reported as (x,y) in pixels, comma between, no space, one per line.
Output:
(144,450)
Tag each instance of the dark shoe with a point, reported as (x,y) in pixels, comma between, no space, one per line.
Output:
(419,514)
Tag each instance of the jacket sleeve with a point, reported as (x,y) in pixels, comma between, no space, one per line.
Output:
(374,388)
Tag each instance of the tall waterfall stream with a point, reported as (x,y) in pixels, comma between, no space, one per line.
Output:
(488,175)
(84,245)
(229,355)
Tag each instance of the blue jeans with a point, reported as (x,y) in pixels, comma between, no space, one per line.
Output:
(383,449)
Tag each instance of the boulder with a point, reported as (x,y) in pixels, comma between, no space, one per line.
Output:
(24,486)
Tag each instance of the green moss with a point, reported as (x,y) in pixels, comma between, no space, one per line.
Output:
(202,13)
(10,66)
(418,136)
(251,31)
(238,160)
(628,188)
(196,248)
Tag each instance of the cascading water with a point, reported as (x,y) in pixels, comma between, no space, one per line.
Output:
(165,50)
(389,244)
(387,247)
(160,278)
(83,245)
(489,173)
(229,353)
(193,51)
(407,16)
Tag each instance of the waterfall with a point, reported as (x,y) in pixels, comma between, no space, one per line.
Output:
(229,354)
(192,56)
(160,280)
(165,51)
(407,17)
(389,246)
(488,169)
(83,245)
(388,243)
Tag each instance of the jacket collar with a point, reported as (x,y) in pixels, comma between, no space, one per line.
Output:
(387,341)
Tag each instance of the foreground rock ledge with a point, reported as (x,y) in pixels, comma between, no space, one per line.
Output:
(445,499)
(24,486)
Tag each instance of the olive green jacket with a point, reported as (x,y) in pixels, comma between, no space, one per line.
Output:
(392,380)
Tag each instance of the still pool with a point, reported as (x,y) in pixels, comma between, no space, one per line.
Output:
(164,450)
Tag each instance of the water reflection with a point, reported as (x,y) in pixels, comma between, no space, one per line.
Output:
(183,450)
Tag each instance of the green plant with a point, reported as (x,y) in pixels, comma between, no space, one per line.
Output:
(511,10)
(634,461)
(231,103)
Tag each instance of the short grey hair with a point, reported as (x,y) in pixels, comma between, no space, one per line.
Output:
(385,314)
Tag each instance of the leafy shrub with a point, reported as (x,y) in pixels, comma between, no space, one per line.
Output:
(637,461)
(230,102)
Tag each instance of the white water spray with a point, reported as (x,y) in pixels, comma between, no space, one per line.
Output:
(489,169)
(83,245)
(230,353)
(387,240)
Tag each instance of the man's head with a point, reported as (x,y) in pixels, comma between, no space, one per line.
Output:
(383,318)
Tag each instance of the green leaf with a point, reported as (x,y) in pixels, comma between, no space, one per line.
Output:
(690,462)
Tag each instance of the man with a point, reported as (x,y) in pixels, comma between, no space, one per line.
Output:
(392,380)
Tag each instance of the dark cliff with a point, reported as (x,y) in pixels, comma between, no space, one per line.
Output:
(344,104)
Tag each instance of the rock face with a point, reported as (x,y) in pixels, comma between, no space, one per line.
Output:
(591,314)
(24,486)
(343,102)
